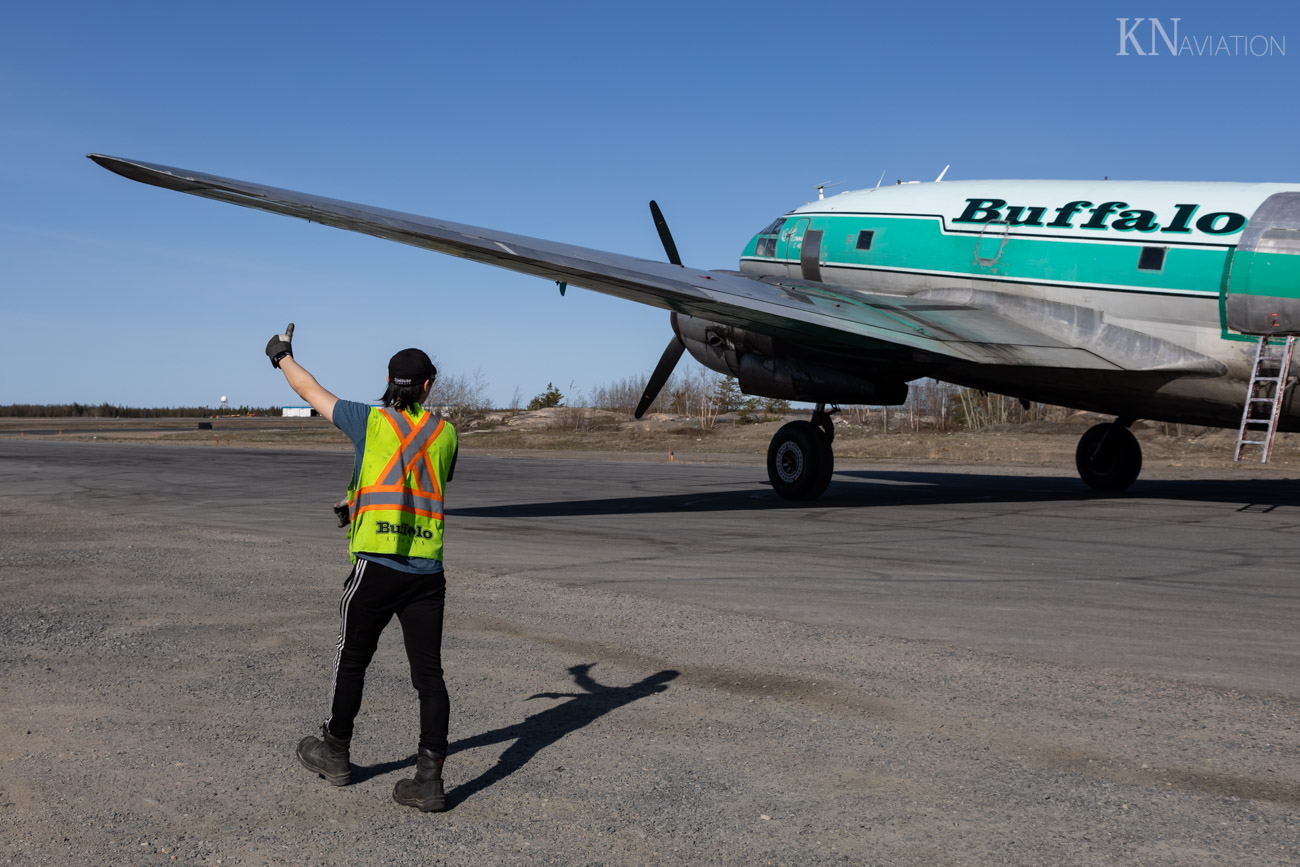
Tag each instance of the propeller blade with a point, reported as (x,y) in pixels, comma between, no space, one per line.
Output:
(663,370)
(664,235)
(673,354)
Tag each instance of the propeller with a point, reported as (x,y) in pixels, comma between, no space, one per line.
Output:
(664,235)
(663,370)
(667,361)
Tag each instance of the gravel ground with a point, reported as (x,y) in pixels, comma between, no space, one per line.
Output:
(155,677)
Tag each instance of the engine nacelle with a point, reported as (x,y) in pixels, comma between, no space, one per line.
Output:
(766,367)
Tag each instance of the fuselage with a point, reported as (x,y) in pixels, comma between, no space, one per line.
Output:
(1152,256)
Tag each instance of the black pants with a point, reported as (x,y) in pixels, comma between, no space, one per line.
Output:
(372,595)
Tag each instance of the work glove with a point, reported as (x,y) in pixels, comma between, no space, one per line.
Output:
(341,512)
(279,346)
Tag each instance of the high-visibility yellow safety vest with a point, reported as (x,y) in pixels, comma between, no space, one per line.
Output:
(396,495)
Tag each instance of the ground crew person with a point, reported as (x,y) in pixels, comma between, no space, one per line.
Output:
(405,456)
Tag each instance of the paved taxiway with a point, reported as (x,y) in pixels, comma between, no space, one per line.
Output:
(1193,580)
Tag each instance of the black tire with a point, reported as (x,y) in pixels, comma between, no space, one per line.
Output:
(800,461)
(1109,458)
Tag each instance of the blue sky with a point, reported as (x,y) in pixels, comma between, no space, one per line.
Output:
(559,120)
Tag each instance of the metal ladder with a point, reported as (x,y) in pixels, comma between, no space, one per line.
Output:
(1264,397)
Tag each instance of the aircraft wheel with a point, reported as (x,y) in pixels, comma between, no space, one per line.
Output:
(800,461)
(1109,457)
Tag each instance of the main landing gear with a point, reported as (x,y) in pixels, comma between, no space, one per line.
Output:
(800,458)
(1109,457)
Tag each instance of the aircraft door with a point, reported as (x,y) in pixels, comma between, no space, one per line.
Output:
(1263,294)
(810,266)
(790,246)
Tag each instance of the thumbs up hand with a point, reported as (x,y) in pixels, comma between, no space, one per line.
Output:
(279,346)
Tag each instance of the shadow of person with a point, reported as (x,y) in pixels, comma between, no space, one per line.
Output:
(540,730)
(361,773)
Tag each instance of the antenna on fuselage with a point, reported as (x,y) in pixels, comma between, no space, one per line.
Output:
(821,188)
(942,173)
(882,179)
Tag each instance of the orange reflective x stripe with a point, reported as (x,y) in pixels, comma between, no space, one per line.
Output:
(405,441)
(409,452)
(433,477)
(420,447)
(411,458)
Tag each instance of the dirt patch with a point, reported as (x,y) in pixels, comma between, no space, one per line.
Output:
(613,436)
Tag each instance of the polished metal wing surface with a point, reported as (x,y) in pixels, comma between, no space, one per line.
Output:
(962,326)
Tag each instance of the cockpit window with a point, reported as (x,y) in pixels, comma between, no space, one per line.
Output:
(766,245)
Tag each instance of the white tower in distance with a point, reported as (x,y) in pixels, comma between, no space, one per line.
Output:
(224,405)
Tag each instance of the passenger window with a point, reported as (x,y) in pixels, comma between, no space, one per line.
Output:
(1152,259)
(864,239)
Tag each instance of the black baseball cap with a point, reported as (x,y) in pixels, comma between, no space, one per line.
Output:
(410,367)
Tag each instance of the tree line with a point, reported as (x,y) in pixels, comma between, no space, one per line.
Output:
(704,395)
(697,392)
(108,410)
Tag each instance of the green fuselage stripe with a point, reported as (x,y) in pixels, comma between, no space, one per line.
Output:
(922,245)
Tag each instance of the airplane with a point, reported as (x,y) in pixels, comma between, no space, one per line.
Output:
(1133,299)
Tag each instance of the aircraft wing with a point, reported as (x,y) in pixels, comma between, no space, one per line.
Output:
(954,326)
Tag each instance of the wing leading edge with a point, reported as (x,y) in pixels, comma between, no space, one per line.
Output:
(951,326)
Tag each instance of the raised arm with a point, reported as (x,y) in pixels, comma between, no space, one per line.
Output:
(280,350)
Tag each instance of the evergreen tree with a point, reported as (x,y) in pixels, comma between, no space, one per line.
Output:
(775,405)
(727,395)
(548,398)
